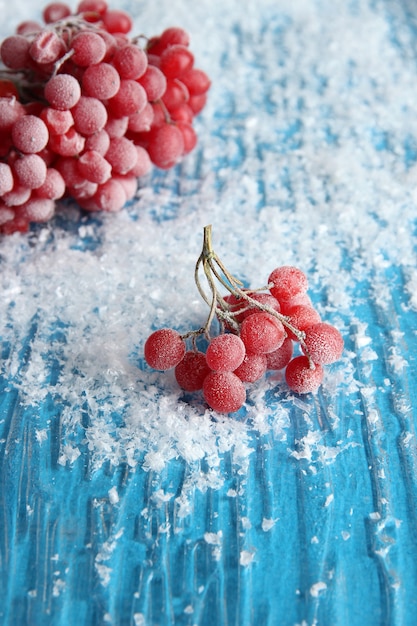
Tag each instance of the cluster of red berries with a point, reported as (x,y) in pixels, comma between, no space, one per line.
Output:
(85,110)
(259,330)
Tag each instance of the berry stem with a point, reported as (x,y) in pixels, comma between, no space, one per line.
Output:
(218,306)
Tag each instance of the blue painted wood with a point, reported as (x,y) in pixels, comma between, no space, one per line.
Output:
(320,528)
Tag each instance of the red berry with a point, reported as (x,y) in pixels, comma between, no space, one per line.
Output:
(176,60)
(117,21)
(166,145)
(30,170)
(224,391)
(196,81)
(89,48)
(92,6)
(154,83)
(174,35)
(301,316)
(130,61)
(58,122)
(130,98)
(90,115)
(55,11)
(30,134)
(252,368)
(53,187)
(46,47)
(101,81)
(62,91)
(262,333)
(324,343)
(192,370)
(225,352)
(287,281)
(94,167)
(15,52)
(197,102)
(279,358)
(164,349)
(303,377)
(10,111)
(121,155)
(37,210)
(110,196)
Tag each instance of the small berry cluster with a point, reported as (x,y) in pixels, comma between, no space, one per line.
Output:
(85,110)
(259,330)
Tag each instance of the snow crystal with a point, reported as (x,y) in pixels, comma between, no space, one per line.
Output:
(246,557)
(317,588)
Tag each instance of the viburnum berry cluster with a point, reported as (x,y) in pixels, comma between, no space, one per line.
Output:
(85,110)
(272,328)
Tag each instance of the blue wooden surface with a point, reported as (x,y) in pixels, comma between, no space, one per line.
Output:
(309,516)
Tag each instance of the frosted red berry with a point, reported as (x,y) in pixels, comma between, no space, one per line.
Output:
(30,134)
(302,376)
(62,91)
(252,368)
(324,343)
(279,358)
(164,349)
(225,352)
(262,333)
(224,392)
(287,281)
(192,370)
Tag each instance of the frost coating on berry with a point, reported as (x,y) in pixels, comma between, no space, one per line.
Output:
(224,392)
(90,115)
(278,359)
(301,316)
(225,352)
(101,81)
(252,368)
(130,61)
(192,370)
(324,343)
(164,349)
(301,377)
(262,333)
(6,178)
(63,91)
(288,281)
(30,134)
(30,170)
(88,48)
